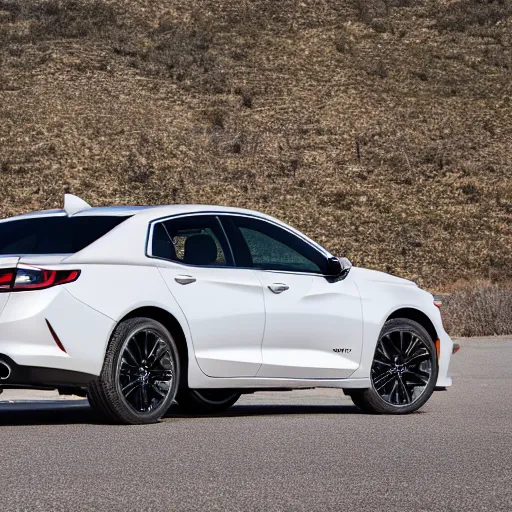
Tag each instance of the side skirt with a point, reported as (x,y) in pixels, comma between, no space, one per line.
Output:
(261,383)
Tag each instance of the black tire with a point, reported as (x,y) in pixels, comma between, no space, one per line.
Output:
(206,401)
(97,404)
(358,400)
(404,370)
(140,375)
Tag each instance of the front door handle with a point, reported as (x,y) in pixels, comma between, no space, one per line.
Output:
(278,287)
(185,279)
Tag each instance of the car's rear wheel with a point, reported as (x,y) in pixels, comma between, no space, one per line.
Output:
(206,401)
(140,375)
(404,370)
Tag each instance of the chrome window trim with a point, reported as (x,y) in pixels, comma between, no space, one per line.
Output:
(149,246)
(217,214)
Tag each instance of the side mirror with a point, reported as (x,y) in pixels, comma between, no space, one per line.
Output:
(339,267)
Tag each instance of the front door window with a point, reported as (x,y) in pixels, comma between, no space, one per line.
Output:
(265,246)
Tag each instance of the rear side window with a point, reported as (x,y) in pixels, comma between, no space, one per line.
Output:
(54,235)
(194,240)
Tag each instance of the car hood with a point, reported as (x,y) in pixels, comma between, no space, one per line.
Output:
(380,277)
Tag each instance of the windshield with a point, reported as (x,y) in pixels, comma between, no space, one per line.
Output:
(54,235)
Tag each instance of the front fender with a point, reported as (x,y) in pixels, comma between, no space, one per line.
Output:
(380,300)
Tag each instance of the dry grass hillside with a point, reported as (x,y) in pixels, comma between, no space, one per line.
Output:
(383,129)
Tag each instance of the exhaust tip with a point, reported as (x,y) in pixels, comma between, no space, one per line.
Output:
(5,371)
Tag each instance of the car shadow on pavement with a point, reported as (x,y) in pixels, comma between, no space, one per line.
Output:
(270,410)
(47,412)
(78,412)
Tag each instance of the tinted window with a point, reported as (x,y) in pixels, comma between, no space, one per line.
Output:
(194,240)
(263,245)
(54,235)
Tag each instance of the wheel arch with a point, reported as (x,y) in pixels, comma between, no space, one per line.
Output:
(170,322)
(417,316)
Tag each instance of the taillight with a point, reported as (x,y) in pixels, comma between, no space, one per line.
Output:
(6,279)
(32,278)
(438,303)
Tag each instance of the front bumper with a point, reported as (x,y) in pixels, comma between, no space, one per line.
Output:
(445,354)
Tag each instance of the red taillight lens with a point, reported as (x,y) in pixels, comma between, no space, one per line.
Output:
(33,278)
(6,279)
(438,303)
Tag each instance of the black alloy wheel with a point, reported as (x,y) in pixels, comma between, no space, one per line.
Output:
(145,370)
(402,367)
(140,375)
(404,370)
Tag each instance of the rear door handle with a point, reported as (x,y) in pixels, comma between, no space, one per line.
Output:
(278,287)
(185,279)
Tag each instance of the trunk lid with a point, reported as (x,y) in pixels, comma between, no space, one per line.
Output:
(43,259)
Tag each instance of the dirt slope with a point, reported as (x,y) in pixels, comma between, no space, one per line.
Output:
(383,129)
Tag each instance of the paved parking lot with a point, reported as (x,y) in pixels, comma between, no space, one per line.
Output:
(295,451)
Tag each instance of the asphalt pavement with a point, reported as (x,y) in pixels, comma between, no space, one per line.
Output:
(293,451)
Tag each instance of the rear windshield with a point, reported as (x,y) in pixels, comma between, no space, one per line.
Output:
(54,235)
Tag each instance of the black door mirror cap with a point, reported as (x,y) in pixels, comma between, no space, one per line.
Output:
(339,267)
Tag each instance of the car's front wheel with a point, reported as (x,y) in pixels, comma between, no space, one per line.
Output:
(206,401)
(404,370)
(140,375)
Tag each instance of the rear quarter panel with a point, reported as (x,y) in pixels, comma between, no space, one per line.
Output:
(117,278)
(117,290)
(25,336)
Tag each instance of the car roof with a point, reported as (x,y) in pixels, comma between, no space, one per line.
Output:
(128,211)
(77,207)
(142,215)
(107,211)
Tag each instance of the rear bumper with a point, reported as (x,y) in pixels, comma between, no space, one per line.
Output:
(35,376)
(28,324)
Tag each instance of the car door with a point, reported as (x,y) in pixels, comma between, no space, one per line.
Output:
(223,305)
(313,326)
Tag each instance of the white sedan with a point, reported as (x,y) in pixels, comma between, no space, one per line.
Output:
(140,306)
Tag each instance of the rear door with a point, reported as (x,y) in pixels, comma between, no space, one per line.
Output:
(223,305)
